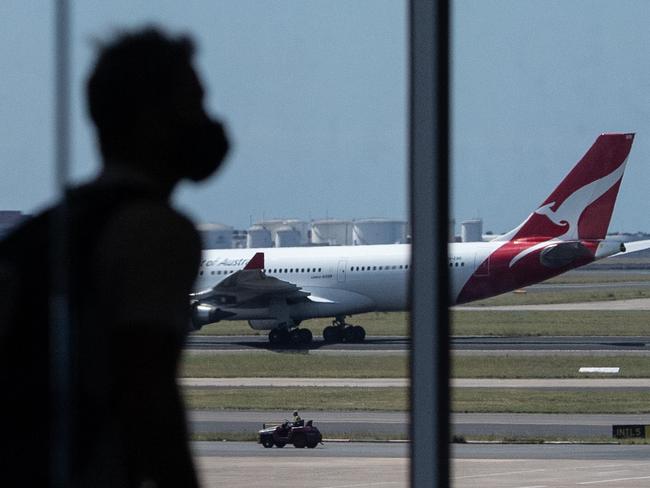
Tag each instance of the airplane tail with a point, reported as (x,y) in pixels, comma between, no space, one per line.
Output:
(581,206)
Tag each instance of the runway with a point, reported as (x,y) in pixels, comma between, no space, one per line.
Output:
(330,423)
(386,465)
(381,344)
(348,424)
(341,465)
(616,344)
(261,343)
(550,466)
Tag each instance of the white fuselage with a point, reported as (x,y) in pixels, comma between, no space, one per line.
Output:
(342,279)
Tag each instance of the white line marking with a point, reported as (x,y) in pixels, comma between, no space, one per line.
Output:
(499,474)
(610,481)
(365,485)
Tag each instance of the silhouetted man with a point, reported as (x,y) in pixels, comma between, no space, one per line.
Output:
(132,260)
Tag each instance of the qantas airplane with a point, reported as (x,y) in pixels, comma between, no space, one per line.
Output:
(276,289)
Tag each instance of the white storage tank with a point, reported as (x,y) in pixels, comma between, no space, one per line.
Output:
(331,232)
(378,231)
(287,236)
(215,236)
(258,236)
(471,230)
(302,227)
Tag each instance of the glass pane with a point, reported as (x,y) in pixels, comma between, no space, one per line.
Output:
(534,85)
(27,108)
(313,94)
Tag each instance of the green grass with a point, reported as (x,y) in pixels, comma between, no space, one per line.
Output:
(288,399)
(600,276)
(268,365)
(542,322)
(477,400)
(527,400)
(563,296)
(271,364)
(375,323)
(546,366)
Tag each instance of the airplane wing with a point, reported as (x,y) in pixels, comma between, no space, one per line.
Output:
(250,288)
(633,246)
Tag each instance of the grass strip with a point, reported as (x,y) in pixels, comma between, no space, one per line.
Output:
(289,399)
(597,276)
(546,366)
(512,400)
(476,400)
(564,296)
(266,365)
(551,322)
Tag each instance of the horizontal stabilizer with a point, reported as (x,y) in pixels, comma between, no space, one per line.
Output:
(634,246)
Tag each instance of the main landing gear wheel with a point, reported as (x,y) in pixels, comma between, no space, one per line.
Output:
(340,331)
(301,337)
(332,334)
(278,336)
(295,337)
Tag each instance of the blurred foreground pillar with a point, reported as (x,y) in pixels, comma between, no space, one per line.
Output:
(429,154)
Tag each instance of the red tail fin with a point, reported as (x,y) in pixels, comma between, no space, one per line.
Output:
(582,205)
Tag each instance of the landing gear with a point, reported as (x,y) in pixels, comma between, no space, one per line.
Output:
(340,331)
(281,336)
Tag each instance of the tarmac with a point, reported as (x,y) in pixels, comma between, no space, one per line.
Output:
(386,465)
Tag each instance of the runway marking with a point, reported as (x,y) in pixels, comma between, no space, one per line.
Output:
(499,474)
(613,480)
(364,485)
(535,486)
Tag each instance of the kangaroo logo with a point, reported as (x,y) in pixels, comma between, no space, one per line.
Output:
(569,211)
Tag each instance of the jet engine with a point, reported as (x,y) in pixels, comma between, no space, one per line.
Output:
(205,313)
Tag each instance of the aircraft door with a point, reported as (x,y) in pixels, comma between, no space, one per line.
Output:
(343,263)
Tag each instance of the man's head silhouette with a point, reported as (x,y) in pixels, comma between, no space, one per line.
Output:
(147,103)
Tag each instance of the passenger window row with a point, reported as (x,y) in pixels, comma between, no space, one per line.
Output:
(378,268)
(270,271)
(292,270)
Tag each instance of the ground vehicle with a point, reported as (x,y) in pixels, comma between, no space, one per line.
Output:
(301,435)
